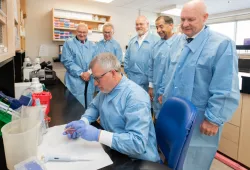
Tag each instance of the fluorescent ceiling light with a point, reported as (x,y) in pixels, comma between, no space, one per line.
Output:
(104,1)
(174,10)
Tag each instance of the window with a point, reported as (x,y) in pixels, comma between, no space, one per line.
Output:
(227,29)
(243,31)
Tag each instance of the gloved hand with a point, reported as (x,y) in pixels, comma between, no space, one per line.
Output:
(73,125)
(87,132)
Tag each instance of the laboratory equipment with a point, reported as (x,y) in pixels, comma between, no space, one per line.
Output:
(26,61)
(20,140)
(30,164)
(36,86)
(62,158)
(45,98)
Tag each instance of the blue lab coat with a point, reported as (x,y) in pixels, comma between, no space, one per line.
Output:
(76,58)
(156,66)
(205,71)
(125,112)
(136,59)
(111,46)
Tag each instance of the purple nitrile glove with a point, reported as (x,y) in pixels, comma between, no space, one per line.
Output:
(73,125)
(88,132)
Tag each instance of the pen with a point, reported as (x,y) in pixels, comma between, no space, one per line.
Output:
(70,130)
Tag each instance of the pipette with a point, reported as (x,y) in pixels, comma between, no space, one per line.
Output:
(62,158)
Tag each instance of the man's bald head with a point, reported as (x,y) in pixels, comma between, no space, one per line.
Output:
(142,25)
(198,5)
(193,17)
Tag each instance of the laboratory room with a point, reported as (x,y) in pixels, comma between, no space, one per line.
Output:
(124,85)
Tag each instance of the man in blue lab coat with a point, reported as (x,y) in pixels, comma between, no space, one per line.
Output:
(108,44)
(138,53)
(124,111)
(203,68)
(76,55)
(164,26)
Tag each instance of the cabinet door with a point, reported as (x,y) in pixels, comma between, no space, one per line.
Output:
(229,148)
(237,114)
(244,145)
(231,132)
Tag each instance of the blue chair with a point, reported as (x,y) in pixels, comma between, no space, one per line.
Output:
(174,128)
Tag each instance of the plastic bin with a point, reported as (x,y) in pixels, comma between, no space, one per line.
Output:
(20,138)
(44,97)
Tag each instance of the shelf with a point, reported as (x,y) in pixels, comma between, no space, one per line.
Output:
(62,28)
(59,40)
(93,25)
(73,29)
(77,19)
(96,31)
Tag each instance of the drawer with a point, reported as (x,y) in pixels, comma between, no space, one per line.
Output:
(231,132)
(237,114)
(229,148)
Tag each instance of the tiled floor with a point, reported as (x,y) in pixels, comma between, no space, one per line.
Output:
(60,72)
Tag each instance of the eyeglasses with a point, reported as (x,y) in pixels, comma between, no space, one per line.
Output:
(79,32)
(99,77)
(107,32)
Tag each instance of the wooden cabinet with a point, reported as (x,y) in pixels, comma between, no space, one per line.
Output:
(7,41)
(65,23)
(244,147)
(235,139)
(229,148)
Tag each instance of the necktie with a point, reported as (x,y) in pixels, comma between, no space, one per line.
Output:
(82,42)
(189,40)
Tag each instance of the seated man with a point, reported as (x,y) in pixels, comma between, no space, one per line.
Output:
(124,110)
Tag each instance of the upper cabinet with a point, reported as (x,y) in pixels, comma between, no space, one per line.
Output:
(65,23)
(11,21)
(7,43)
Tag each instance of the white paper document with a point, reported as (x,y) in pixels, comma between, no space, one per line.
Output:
(54,143)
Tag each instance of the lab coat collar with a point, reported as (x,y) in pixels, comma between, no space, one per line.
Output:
(170,40)
(79,43)
(145,37)
(195,44)
(160,42)
(111,40)
(117,89)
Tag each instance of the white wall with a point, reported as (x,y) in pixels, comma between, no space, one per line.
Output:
(39,22)
(229,16)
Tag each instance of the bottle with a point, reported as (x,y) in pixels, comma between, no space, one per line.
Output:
(36,86)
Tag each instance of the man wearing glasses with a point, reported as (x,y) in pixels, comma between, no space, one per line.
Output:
(108,44)
(124,110)
(76,55)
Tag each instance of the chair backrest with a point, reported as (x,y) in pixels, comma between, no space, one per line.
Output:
(174,129)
